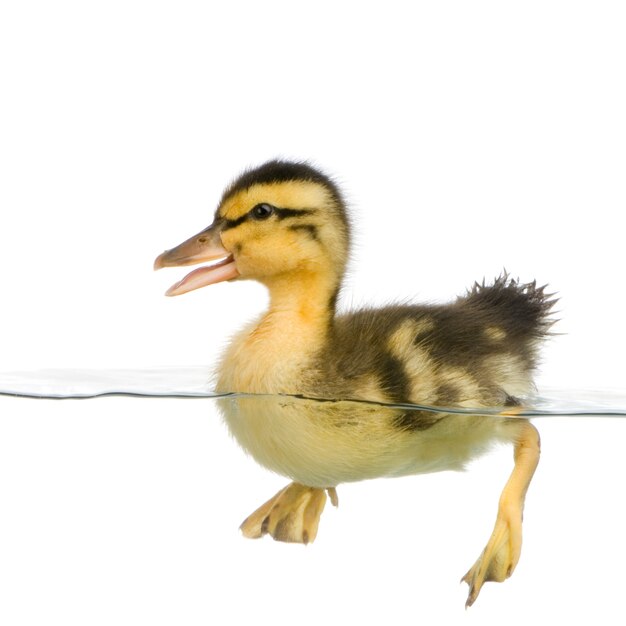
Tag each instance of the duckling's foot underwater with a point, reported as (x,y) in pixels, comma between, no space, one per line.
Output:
(501,555)
(292,515)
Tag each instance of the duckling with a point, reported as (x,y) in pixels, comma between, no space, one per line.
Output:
(285,224)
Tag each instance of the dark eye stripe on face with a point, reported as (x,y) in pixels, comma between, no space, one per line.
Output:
(310,229)
(233,223)
(281,214)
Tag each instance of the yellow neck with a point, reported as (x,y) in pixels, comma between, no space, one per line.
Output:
(273,356)
(305,298)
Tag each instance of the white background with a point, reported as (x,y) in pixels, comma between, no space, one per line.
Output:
(468,137)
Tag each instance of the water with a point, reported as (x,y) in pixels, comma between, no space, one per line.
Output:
(140,500)
(193,382)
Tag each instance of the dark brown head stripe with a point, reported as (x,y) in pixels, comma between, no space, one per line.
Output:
(310,229)
(278,171)
(233,223)
(281,214)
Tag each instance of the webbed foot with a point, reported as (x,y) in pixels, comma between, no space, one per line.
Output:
(500,556)
(292,515)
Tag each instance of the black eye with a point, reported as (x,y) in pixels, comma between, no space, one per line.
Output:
(262,211)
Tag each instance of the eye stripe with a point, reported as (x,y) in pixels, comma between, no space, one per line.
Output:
(284,213)
(233,223)
(311,229)
(281,214)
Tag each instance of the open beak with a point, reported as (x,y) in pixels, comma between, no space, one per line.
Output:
(203,247)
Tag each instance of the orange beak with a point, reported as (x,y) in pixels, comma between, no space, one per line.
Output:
(204,247)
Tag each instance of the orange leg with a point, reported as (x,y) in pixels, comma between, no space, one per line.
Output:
(501,555)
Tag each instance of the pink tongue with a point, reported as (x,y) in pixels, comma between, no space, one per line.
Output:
(204,276)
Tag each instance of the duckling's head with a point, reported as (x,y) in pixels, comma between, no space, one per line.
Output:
(281,223)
